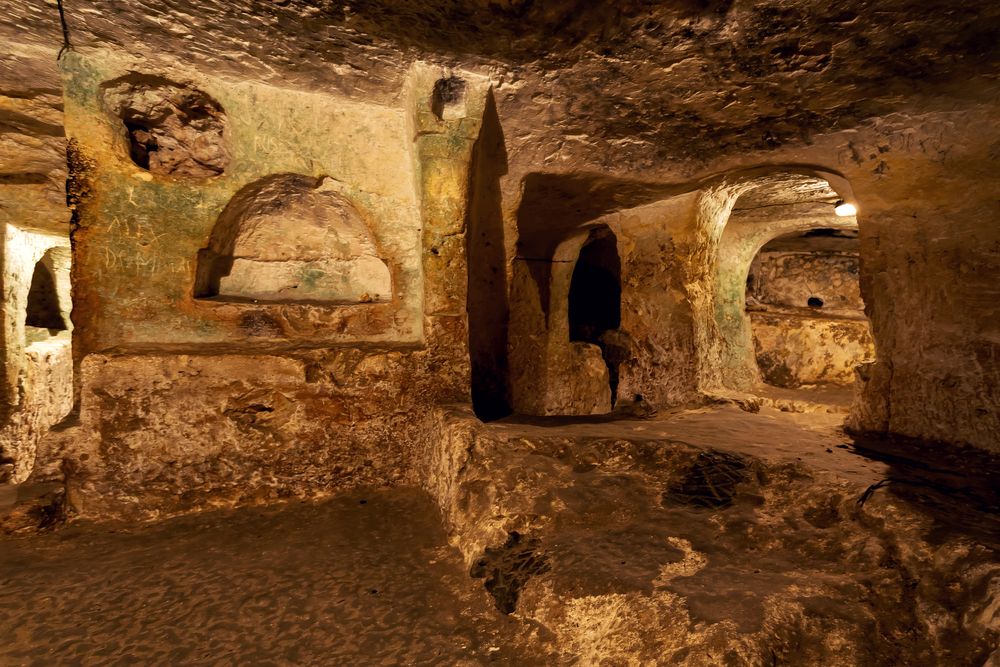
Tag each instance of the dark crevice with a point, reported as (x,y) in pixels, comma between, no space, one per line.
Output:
(507,568)
(487,304)
(42,310)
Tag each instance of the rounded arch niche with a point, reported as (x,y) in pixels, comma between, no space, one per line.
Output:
(292,238)
(45,307)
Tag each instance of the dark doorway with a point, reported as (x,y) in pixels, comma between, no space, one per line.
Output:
(42,310)
(595,300)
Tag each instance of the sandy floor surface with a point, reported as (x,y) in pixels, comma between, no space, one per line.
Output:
(365,579)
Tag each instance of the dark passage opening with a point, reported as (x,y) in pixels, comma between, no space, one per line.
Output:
(595,299)
(42,310)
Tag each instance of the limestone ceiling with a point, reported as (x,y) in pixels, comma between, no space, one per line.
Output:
(681,80)
(782,189)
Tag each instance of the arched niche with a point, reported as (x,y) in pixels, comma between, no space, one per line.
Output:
(595,292)
(574,374)
(44,308)
(292,238)
(595,300)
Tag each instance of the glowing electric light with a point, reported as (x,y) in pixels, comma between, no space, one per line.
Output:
(844,209)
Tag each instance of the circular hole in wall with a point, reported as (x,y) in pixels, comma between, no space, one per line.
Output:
(815,302)
(171,129)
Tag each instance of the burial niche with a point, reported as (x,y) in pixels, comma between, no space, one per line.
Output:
(42,310)
(595,295)
(804,302)
(172,129)
(292,238)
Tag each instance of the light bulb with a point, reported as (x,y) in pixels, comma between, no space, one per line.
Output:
(845,209)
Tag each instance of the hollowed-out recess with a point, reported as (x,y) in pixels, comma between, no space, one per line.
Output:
(292,238)
(448,96)
(595,300)
(42,309)
(172,129)
(595,292)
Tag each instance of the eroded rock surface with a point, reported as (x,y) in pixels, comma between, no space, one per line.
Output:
(364,577)
(171,130)
(301,227)
(720,537)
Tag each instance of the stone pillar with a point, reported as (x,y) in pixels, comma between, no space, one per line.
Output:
(447,112)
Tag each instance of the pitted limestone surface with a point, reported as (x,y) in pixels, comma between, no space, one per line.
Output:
(775,542)
(711,482)
(508,567)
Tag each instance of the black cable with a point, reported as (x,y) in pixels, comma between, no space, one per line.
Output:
(65,31)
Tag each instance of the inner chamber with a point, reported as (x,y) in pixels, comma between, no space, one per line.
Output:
(804,302)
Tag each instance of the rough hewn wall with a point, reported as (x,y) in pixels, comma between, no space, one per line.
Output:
(139,237)
(808,317)
(35,380)
(799,349)
(187,401)
(792,278)
(930,248)
(600,109)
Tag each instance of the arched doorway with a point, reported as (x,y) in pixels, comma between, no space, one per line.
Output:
(595,296)
(791,336)
(38,362)
(44,315)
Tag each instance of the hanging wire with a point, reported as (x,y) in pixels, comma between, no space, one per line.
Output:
(66,46)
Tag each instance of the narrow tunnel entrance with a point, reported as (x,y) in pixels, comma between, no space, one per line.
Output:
(595,296)
(805,307)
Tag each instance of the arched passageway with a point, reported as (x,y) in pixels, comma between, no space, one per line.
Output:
(788,310)
(38,363)
(595,296)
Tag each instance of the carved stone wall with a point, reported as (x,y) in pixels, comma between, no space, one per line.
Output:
(276,328)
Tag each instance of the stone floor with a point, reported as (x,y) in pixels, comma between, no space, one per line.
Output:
(705,536)
(365,579)
(727,536)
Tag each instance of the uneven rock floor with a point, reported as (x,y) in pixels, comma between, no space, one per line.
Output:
(715,536)
(699,537)
(365,579)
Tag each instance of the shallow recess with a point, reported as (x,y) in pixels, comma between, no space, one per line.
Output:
(292,238)
(448,99)
(42,310)
(172,129)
